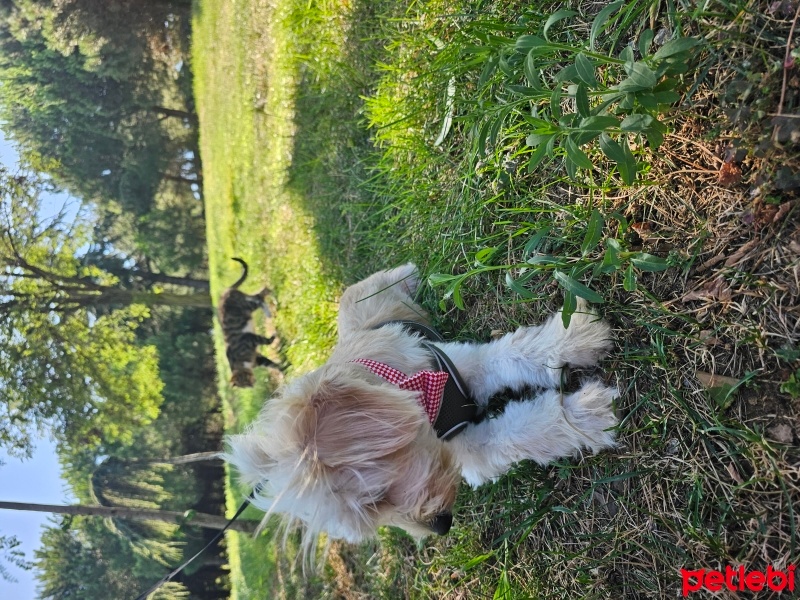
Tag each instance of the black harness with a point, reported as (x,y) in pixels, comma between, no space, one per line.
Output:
(458,409)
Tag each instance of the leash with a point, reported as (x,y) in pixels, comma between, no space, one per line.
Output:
(214,540)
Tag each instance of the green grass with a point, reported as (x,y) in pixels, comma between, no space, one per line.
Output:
(318,123)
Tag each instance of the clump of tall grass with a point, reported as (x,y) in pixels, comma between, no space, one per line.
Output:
(501,106)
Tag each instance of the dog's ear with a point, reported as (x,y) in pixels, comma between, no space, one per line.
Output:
(354,423)
(249,451)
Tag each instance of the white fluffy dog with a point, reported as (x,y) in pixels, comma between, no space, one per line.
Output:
(345,451)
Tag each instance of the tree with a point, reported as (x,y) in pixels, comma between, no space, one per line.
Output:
(84,97)
(69,352)
(136,514)
(9,552)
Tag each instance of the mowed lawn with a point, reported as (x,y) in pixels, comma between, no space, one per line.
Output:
(338,138)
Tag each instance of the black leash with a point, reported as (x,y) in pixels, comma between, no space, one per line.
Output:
(216,538)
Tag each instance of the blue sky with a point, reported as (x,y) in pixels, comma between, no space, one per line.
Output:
(37,479)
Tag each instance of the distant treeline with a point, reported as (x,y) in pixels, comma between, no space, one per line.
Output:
(104,312)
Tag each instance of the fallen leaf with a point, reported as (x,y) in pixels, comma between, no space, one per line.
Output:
(729,174)
(720,388)
(739,254)
(734,474)
(708,338)
(781,433)
(712,380)
(714,289)
(783,210)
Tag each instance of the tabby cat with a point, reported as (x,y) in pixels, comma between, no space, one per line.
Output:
(241,342)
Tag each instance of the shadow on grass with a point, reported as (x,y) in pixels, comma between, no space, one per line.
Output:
(332,146)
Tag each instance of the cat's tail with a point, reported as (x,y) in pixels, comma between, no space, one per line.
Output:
(244,272)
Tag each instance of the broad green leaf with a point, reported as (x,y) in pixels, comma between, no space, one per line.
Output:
(537,156)
(636,122)
(667,97)
(584,137)
(640,77)
(555,102)
(654,137)
(568,308)
(531,70)
(611,148)
(532,245)
(599,123)
(674,47)
(526,91)
(601,19)
(488,70)
(594,231)
(620,154)
(518,288)
(627,55)
(505,67)
(611,257)
(557,16)
(582,101)
(576,155)
(535,139)
(436,279)
(648,262)
(483,133)
(645,40)
(571,168)
(585,69)
(541,126)
(577,288)
(568,73)
(629,282)
(484,255)
(526,42)
(457,299)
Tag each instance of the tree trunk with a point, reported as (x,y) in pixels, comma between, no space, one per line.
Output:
(181,179)
(175,460)
(125,297)
(167,299)
(171,112)
(136,514)
(198,284)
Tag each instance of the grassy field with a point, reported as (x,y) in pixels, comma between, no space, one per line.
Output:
(641,155)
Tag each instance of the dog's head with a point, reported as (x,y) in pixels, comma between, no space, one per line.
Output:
(345,454)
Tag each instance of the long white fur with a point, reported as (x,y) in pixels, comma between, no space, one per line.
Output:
(344,452)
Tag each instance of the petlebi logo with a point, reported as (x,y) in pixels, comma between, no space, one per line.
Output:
(738,579)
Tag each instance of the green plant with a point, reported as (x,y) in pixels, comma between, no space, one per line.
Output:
(792,385)
(572,95)
(566,260)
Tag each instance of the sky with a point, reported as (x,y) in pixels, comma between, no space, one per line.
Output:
(37,479)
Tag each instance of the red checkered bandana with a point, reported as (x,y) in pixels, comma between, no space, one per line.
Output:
(429,384)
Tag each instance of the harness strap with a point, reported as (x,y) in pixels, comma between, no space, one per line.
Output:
(457,409)
(214,540)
